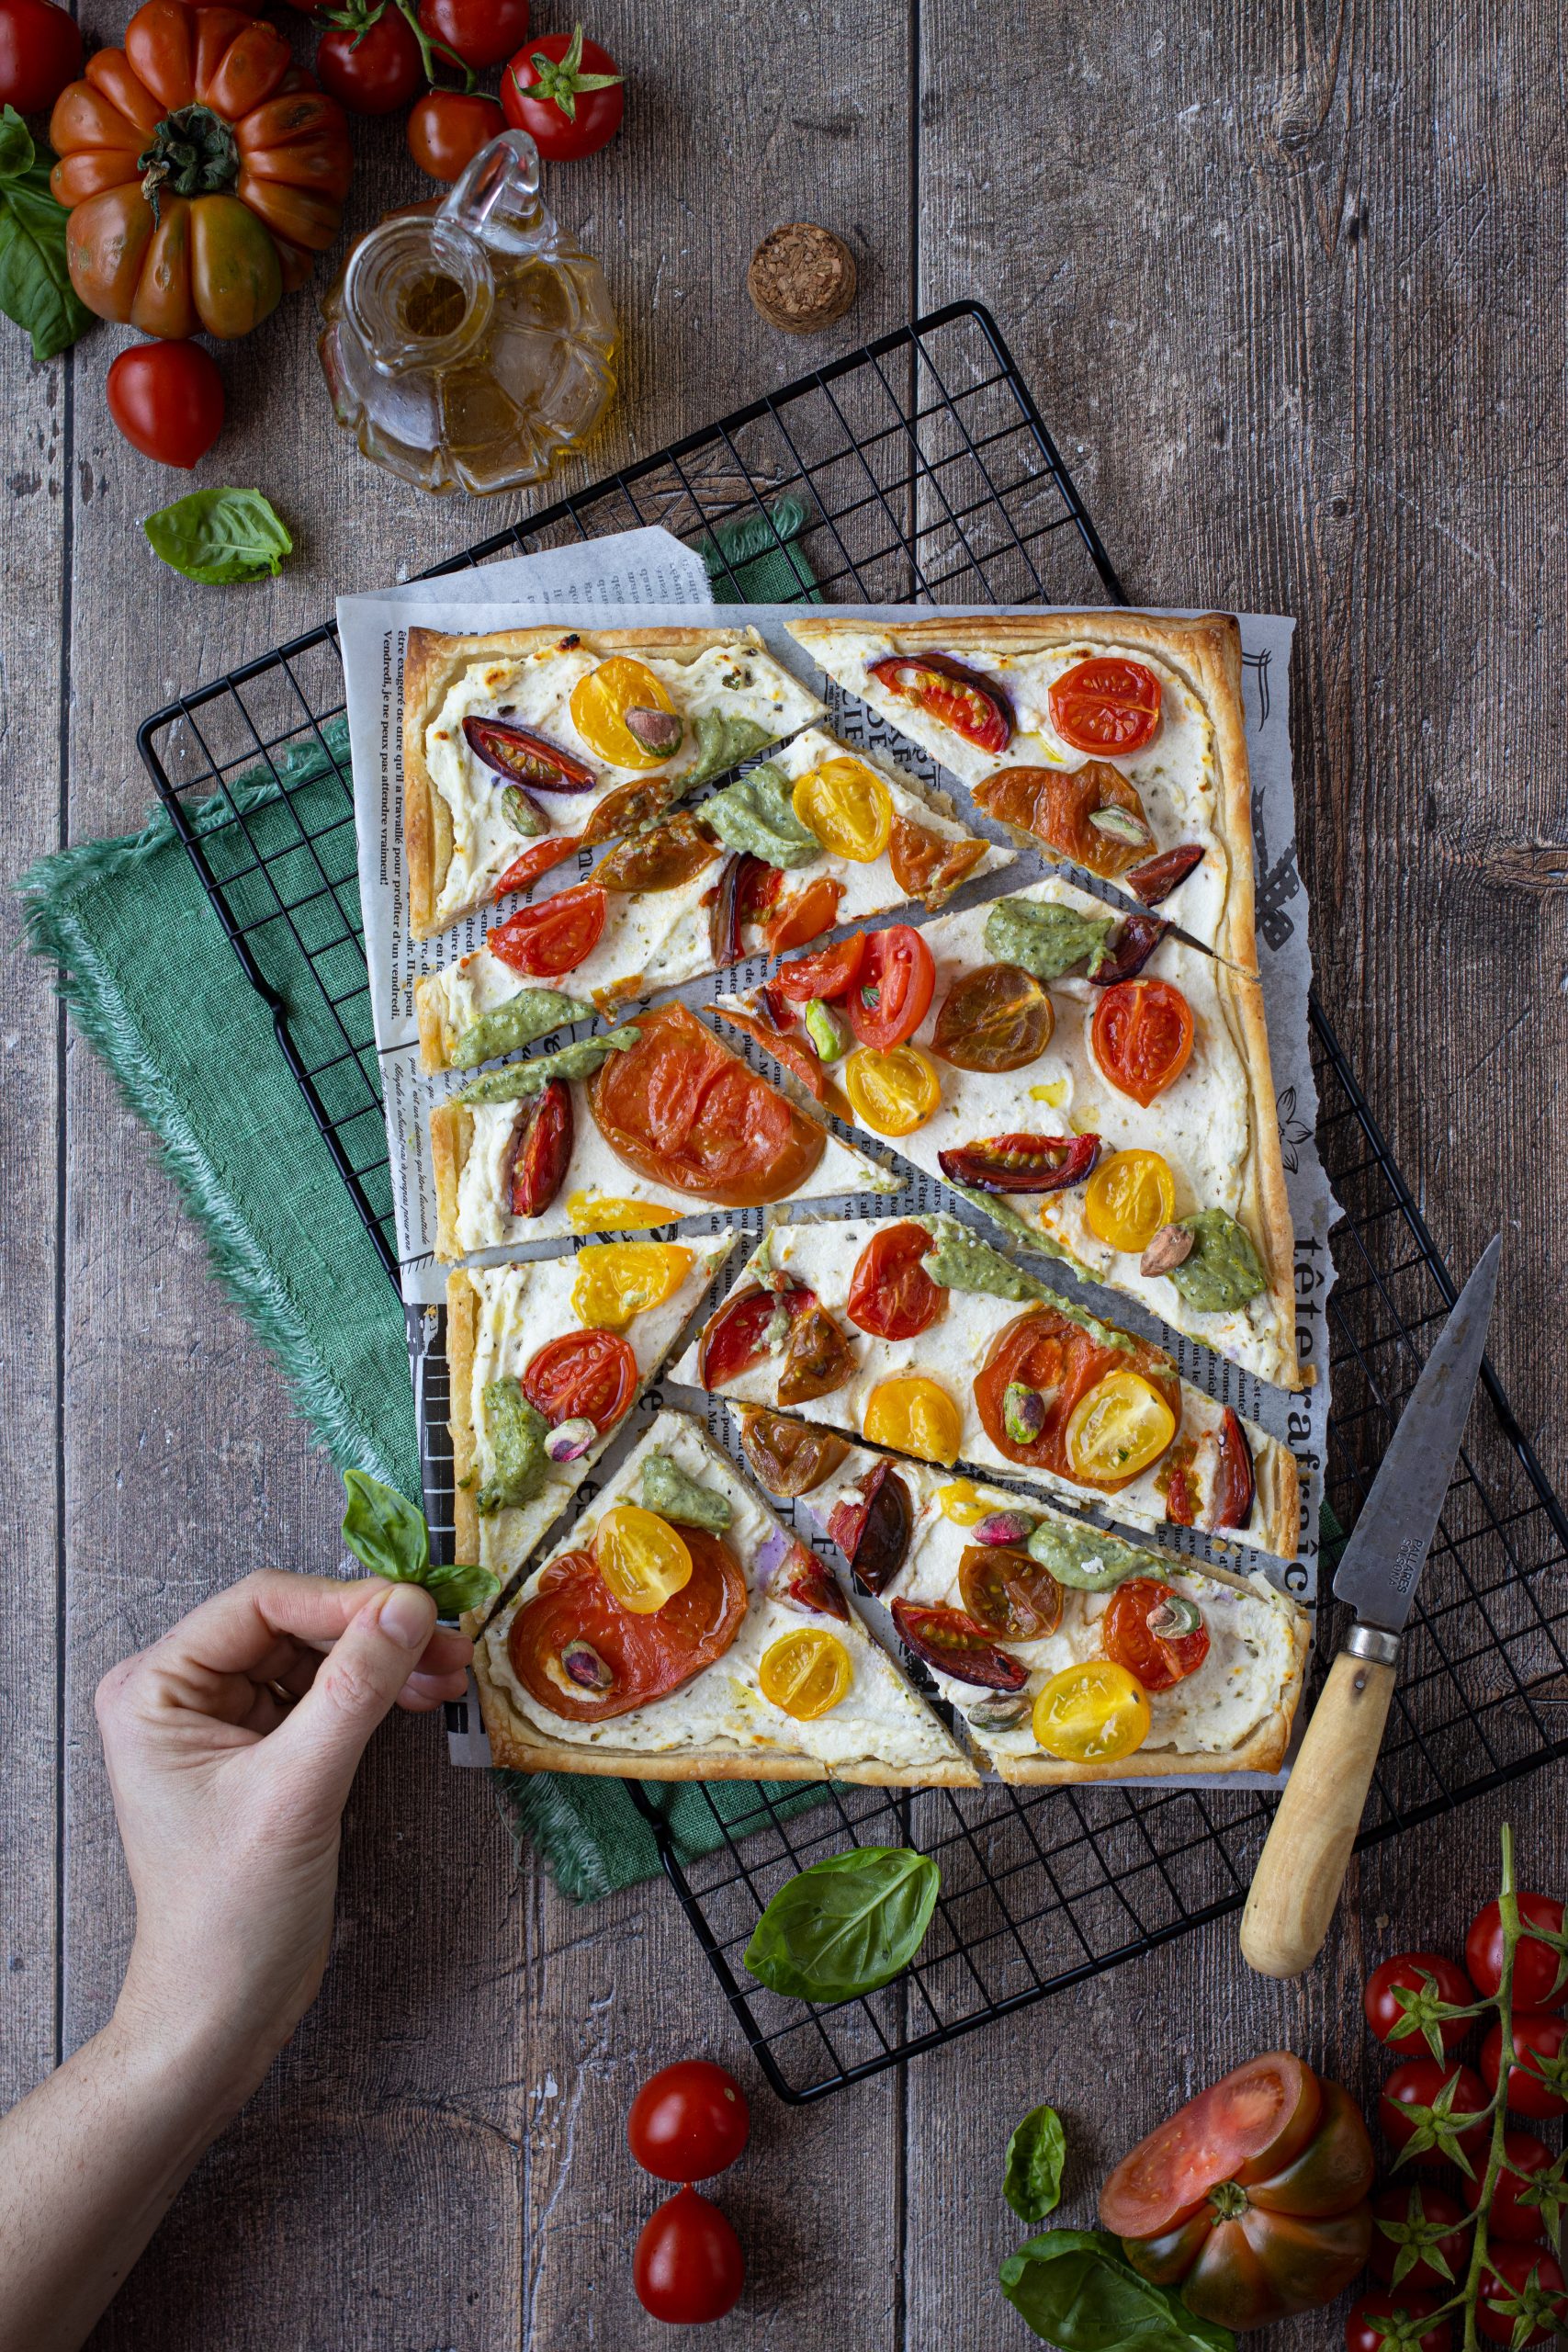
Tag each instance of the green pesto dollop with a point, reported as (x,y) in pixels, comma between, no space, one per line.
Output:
(532,1012)
(1223,1271)
(517,1434)
(756,813)
(578,1060)
(1088,1561)
(1047,939)
(960,1260)
(667,1489)
(723,740)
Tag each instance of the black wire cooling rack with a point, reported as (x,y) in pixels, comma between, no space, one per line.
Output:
(916,469)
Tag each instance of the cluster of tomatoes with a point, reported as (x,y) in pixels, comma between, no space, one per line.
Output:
(377,56)
(1404,1995)
(687,2123)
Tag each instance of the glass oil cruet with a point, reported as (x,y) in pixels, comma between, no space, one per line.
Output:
(469,344)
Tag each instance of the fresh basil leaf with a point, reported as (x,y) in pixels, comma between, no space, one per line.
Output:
(220,536)
(460,1587)
(1036,2153)
(846,1925)
(1075,2288)
(36,291)
(384,1530)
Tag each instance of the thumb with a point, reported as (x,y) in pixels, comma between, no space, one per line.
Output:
(356,1687)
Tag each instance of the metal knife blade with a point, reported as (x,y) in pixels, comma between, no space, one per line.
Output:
(1383,1560)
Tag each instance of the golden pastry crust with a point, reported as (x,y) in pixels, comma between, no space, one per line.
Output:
(1264,1206)
(462,1336)
(451,1139)
(1205,653)
(435,1039)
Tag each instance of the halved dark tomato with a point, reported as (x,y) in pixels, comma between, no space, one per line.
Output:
(587,1375)
(1178,1485)
(1059,805)
(1021,1163)
(627,810)
(1136,940)
(554,937)
(1046,1351)
(929,866)
(891,1295)
(828,974)
(736,1338)
(672,852)
(818,1358)
(1106,705)
(891,994)
(805,1582)
(536,859)
(790,1457)
(1235,1487)
(1143,1037)
(1007,1594)
(1158,1660)
(797,1057)
(795,921)
(524,758)
(994,1018)
(573,1619)
(685,1112)
(873,1533)
(950,693)
(955,1646)
(735,884)
(542,1153)
(1155,879)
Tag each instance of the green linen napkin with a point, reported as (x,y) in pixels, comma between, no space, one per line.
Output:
(201,1067)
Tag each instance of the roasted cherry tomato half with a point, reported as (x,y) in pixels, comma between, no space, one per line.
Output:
(674,852)
(688,2267)
(816,1358)
(536,859)
(954,1646)
(1021,1163)
(1136,1632)
(1143,1037)
(1136,939)
(1522,2283)
(874,1533)
(1093,1713)
(806,1673)
(1424,2217)
(802,917)
(913,1415)
(848,807)
(582,1375)
(1118,1430)
(688,2121)
(893,1093)
(891,1295)
(554,937)
(644,1560)
(994,1018)
(892,991)
(1106,705)
(524,758)
(1537,2079)
(1537,1966)
(617,1280)
(623,1661)
(735,1340)
(789,1457)
(950,691)
(802,1581)
(624,714)
(828,974)
(1526,2158)
(1090,814)
(1009,1595)
(928,865)
(1235,1482)
(1403,1997)
(1395,2322)
(542,1152)
(1156,877)
(1129,1196)
(1417,2084)
(684,1111)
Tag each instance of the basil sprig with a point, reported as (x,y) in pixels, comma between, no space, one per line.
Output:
(846,1925)
(36,291)
(388,1535)
(1036,2153)
(1075,2288)
(220,537)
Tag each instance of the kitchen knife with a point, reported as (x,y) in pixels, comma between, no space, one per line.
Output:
(1302,1868)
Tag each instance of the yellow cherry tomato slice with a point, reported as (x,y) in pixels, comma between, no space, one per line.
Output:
(600,701)
(1117,1427)
(961,1503)
(641,1559)
(602,1212)
(892,1094)
(806,1673)
(616,1280)
(914,1415)
(849,808)
(1128,1198)
(1094,1713)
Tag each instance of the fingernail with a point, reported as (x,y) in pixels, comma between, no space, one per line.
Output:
(408,1615)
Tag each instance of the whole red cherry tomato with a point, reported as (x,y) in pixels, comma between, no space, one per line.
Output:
(1430,1979)
(1417,2206)
(1526,2159)
(1525,2275)
(688,2121)
(167,399)
(688,2266)
(1535,1964)
(483,32)
(1361,2337)
(40,51)
(566,94)
(1419,2084)
(1539,2037)
(447,128)
(374,69)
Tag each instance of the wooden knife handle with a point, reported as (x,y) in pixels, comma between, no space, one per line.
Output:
(1302,1868)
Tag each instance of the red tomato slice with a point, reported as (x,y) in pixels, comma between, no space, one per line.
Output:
(1143,1037)
(1235,1487)
(536,859)
(1045,1349)
(736,1337)
(893,993)
(543,1150)
(645,1657)
(1249,2124)
(950,693)
(795,922)
(1106,705)
(831,972)
(684,1111)
(590,1374)
(554,937)
(891,1295)
(1159,1661)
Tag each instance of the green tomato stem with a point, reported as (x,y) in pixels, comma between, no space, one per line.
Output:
(430,48)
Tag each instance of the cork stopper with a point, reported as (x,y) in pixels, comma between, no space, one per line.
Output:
(802,277)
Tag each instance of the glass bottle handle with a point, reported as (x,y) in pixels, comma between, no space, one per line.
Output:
(497,199)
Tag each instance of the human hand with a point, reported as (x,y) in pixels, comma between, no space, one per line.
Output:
(232,1745)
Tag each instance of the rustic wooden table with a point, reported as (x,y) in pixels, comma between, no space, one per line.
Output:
(1288,285)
